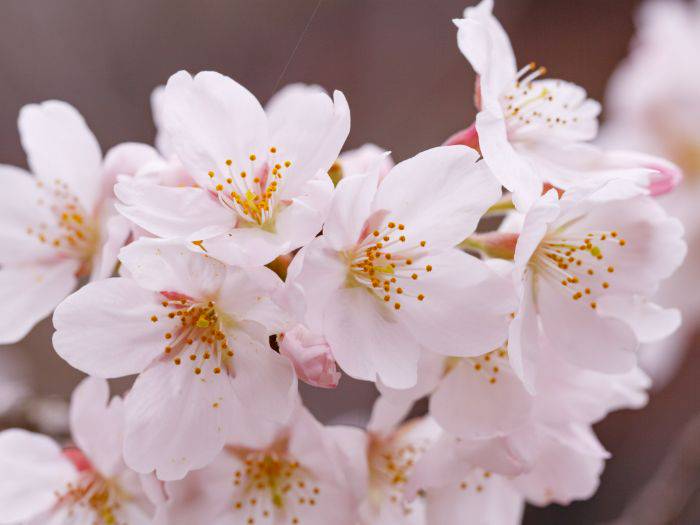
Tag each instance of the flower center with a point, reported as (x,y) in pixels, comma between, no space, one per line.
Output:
(488,366)
(391,463)
(271,485)
(199,338)
(385,261)
(103,497)
(251,190)
(532,104)
(72,232)
(578,262)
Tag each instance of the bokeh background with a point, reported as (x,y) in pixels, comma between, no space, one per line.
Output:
(408,89)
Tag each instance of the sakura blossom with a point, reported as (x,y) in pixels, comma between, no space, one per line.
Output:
(385,279)
(88,483)
(532,130)
(58,222)
(196,333)
(252,249)
(262,187)
(292,473)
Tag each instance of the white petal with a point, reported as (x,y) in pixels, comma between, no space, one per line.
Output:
(350,209)
(125,159)
(97,425)
(511,169)
(177,421)
(59,145)
(33,469)
(468,405)
(31,292)
(247,294)
(211,119)
(105,328)
(257,364)
(482,40)
(368,340)
(161,265)
(466,307)
(115,232)
(244,246)
(317,271)
(308,129)
(440,195)
(649,321)
(582,335)
(169,212)
(19,210)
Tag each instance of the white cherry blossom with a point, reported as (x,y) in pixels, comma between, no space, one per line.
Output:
(42,483)
(197,333)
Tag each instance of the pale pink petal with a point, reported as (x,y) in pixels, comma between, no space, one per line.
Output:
(256,364)
(176,420)
(125,159)
(105,328)
(210,119)
(308,128)
(243,246)
(368,340)
(170,212)
(649,321)
(116,232)
(33,469)
(364,159)
(168,266)
(318,272)
(469,405)
(524,337)
(439,195)
(30,292)
(466,306)
(20,210)
(350,209)
(60,146)
(97,425)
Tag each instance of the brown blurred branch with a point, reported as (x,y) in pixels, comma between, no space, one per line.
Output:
(667,494)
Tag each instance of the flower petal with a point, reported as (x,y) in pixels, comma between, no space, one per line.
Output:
(440,195)
(368,341)
(177,421)
(60,146)
(31,292)
(116,310)
(97,425)
(349,210)
(162,265)
(33,468)
(211,119)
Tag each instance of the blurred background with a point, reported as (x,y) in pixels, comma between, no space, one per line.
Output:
(408,88)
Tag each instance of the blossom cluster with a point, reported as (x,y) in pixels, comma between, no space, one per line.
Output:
(245,252)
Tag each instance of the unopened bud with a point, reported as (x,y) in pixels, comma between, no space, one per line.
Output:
(496,245)
(311,357)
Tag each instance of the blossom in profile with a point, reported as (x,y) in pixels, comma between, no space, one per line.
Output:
(58,223)
(197,334)
(534,131)
(262,184)
(386,278)
(88,483)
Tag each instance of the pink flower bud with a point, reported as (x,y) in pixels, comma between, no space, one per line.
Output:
(667,177)
(311,357)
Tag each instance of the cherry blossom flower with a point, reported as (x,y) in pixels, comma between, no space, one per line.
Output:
(532,130)
(361,160)
(57,225)
(395,452)
(262,185)
(197,333)
(385,279)
(587,265)
(42,483)
(296,473)
(310,355)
